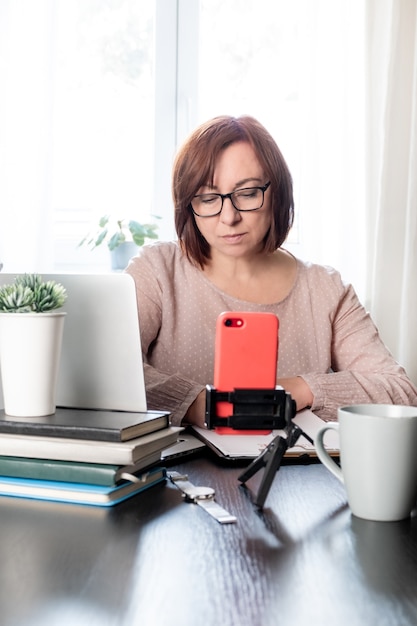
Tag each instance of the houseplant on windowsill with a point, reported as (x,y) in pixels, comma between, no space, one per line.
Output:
(31,331)
(122,236)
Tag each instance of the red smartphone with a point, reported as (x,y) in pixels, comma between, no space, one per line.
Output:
(246,355)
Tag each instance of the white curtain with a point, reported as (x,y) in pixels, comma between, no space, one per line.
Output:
(26,29)
(392,175)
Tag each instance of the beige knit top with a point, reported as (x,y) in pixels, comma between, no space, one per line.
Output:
(325,335)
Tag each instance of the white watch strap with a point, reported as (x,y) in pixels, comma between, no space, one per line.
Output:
(203,496)
(217,511)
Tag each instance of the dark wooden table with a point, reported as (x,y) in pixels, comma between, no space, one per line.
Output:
(157,561)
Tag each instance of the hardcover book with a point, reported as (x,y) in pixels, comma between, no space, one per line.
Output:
(77,493)
(73,471)
(87,424)
(88,450)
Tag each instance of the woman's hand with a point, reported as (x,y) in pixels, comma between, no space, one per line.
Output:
(299,390)
(197,411)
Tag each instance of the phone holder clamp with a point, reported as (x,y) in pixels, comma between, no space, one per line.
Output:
(253,409)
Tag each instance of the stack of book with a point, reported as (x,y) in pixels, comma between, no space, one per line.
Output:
(83,456)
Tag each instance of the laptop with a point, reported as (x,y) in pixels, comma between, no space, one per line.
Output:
(241,447)
(101,359)
(188,446)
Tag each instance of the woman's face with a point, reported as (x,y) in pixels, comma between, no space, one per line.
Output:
(233,233)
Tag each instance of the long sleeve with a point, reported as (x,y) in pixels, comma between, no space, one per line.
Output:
(362,369)
(169,392)
(165,389)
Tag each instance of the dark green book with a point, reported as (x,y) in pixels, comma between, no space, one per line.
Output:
(80,493)
(86,424)
(71,471)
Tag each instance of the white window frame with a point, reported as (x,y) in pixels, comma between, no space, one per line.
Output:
(176,95)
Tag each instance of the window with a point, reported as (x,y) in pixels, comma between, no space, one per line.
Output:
(79,115)
(99,93)
(103,116)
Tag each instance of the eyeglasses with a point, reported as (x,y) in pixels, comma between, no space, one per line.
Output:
(246,199)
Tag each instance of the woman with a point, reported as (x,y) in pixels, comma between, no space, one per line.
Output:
(233,199)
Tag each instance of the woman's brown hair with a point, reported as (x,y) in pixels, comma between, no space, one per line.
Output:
(194,168)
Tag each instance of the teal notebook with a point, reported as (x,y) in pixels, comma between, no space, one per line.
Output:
(79,493)
(72,471)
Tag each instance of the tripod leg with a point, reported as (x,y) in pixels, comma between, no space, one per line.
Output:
(271,468)
(271,459)
(256,464)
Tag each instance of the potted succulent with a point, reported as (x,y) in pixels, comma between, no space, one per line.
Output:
(122,236)
(31,331)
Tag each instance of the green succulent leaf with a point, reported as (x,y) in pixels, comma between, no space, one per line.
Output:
(49,296)
(29,280)
(29,293)
(17,298)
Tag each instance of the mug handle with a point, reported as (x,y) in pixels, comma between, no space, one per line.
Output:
(322,453)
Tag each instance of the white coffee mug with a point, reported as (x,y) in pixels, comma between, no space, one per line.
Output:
(378,458)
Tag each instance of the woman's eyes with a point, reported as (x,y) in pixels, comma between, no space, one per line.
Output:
(208,199)
(246,193)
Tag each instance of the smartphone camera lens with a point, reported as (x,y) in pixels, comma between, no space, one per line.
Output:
(233,322)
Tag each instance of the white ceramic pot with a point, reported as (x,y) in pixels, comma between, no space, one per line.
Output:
(30,352)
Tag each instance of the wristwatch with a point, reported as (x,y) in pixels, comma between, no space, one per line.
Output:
(203,496)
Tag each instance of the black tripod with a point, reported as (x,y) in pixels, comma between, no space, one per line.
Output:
(271,459)
(256,409)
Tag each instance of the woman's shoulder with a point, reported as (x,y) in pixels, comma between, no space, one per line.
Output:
(157,253)
(159,258)
(320,278)
(159,249)
(315,271)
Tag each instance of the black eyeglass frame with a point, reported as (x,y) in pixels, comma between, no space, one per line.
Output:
(223,196)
